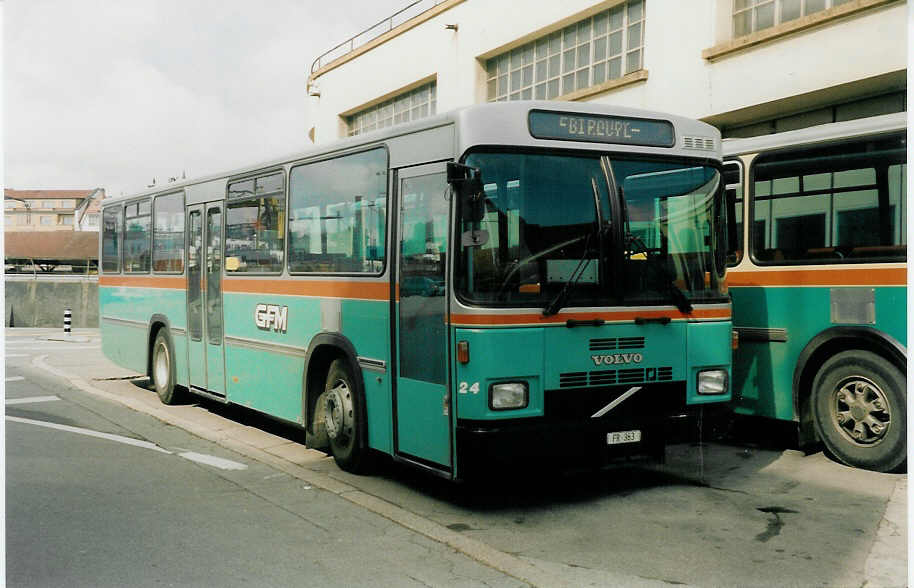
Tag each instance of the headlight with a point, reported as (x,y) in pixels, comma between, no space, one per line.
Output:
(508,395)
(712,382)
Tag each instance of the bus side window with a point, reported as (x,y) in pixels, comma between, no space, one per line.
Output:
(841,202)
(137,221)
(255,225)
(168,234)
(338,214)
(111,239)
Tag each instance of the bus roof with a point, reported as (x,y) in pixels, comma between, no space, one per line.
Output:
(817,134)
(490,124)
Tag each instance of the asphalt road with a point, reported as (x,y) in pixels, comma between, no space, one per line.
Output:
(148,504)
(85,510)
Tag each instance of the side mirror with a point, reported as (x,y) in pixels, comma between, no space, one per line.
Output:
(467,183)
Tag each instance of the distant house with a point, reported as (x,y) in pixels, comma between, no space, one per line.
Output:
(30,251)
(51,210)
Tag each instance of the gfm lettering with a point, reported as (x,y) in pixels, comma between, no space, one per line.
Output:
(271,316)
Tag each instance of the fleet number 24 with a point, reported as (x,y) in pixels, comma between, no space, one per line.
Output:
(465,387)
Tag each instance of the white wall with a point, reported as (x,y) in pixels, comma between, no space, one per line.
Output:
(676,33)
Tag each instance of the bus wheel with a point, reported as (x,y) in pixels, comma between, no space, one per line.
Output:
(342,418)
(163,369)
(859,410)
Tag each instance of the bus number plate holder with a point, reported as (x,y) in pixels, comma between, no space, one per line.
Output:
(619,437)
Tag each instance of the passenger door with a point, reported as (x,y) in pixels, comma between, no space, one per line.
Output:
(206,363)
(422,405)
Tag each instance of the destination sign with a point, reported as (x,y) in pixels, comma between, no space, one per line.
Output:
(598,128)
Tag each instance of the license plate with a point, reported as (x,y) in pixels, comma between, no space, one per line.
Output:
(619,437)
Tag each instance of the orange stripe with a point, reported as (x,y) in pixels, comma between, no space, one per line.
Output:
(625,315)
(850,276)
(330,289)
(176,282)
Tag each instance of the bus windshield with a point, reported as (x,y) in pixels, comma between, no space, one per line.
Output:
(549,232)
(673,231)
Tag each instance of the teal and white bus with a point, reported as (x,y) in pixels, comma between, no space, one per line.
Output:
(505,281)
(819,285)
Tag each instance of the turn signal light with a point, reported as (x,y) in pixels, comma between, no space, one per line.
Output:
(734,339)
(463,351)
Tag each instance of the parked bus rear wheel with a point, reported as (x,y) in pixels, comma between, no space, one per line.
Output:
(163,368)
(859,410)
(343,415)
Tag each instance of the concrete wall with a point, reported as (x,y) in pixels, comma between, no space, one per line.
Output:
(827,62)
(41,302)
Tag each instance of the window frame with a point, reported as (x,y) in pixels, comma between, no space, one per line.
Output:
(124,207)
(118,209)
(387,216)
(226,203)
(184,232)
(750,199)
(741,235)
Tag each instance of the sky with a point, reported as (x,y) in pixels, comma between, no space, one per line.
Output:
(114,93)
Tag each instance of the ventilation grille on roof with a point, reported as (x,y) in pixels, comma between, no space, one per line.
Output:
(703,143)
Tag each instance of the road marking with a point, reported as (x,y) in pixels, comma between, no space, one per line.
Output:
(211,460)
(15,379)
(63,346)
(31,399)
(91,433)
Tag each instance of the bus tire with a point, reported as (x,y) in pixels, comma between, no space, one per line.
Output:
(859,410)
(163,369)
(343,416)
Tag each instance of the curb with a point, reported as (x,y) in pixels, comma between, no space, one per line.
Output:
(476,550)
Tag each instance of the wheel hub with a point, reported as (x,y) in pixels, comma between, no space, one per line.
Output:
(338,412)
(161,367)
(861,411)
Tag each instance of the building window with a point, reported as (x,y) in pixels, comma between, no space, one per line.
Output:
(603,47)
(47,220)
(750,16)
(93,220)
(412,105)
(47,204)
(66,219)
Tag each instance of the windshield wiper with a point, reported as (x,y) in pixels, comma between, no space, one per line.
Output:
(556,303)
(680,298)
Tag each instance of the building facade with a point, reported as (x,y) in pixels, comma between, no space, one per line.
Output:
(51,210)
(749,67)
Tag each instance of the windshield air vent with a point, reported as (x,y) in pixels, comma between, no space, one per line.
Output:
(614,343)
(703,143)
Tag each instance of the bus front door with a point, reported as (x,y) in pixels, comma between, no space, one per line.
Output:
(421,402)
(204,299)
